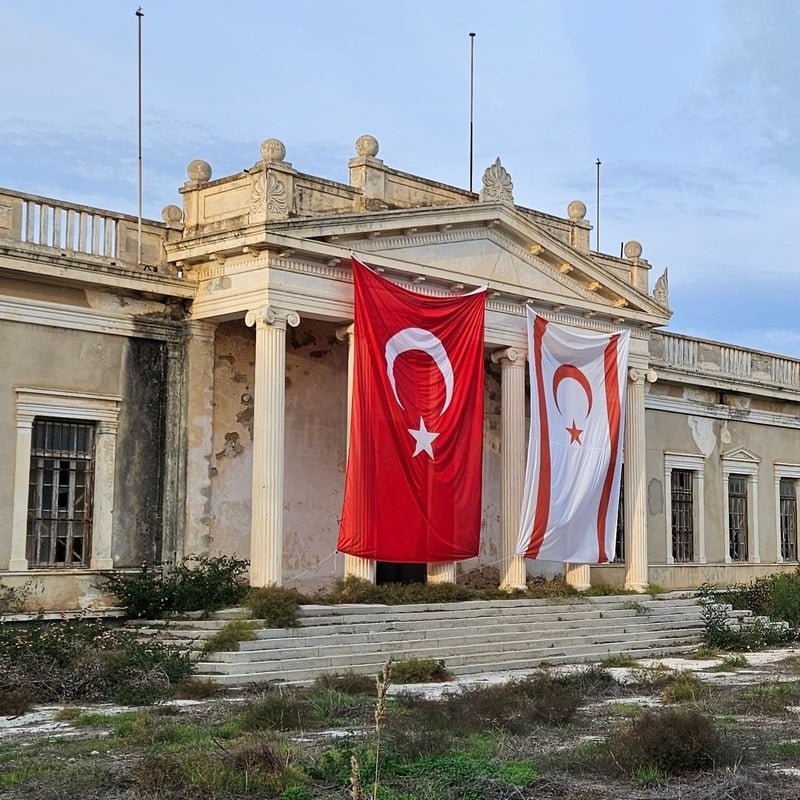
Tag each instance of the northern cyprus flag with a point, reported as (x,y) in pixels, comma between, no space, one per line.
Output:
(578,380)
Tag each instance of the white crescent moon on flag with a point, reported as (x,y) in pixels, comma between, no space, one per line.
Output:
(420,339)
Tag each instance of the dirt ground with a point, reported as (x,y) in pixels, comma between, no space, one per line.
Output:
(754,774)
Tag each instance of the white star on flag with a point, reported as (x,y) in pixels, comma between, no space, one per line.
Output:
(423,439)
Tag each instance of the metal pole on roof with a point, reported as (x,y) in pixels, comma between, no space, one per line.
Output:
(139,15)
(597,224)
(471,101)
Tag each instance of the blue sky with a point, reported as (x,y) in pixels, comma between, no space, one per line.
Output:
(692,107)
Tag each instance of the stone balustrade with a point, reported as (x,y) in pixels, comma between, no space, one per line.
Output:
(723,360)
(72,229)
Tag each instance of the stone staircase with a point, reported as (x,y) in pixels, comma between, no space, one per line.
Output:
(470,637)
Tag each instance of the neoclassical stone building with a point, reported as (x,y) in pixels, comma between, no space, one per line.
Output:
(184,389)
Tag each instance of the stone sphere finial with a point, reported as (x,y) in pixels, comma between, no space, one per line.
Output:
(367,145)
(199,171)
(172,215)
(576,210)
(273,150)
(633,249)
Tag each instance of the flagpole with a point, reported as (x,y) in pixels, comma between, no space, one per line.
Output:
(597,229)
(471,100)
(139,15)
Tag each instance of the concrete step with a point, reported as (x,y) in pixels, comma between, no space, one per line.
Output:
(523,662)
(473,637)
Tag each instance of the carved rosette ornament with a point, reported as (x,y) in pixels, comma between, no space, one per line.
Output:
(497,185)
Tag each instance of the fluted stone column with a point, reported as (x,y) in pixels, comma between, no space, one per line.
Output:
(442,572)
(636,576)
(353,565)
(512,465)
(266,527)
(579,576)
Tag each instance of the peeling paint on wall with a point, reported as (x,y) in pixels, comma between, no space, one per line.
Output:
(702,429)
(232,446)
(655,497)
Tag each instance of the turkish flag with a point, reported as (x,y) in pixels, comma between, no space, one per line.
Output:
(571,494)
(413,486)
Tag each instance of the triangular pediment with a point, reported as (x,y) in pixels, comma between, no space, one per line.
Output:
(487,244)
(741,454)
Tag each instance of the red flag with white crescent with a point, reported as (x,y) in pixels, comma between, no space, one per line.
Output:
(413,484)
(571,494)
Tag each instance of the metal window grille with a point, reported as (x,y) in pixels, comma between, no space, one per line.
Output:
(60,493)
(682,515)
(619,546)
(737,517)
(788,510)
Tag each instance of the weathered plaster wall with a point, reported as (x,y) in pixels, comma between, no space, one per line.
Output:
(228,520)
(29,358)
(316,452)
(141,453)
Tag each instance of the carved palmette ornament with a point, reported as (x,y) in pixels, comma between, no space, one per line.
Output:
(661,290)
(268,192)
(497,185)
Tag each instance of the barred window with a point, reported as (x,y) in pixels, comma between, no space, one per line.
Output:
(682,515)
(788,514)
(60,493)
(737,517)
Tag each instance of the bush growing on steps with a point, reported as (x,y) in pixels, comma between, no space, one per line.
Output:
(198,583)
(276,605)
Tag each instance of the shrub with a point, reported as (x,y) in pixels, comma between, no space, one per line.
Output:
(672,742)
(198,583)
(346,682)
(228,637)
(276,605)
(753,636)
(79,660)
(419,670)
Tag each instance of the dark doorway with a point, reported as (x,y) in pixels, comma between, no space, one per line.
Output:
(388,572)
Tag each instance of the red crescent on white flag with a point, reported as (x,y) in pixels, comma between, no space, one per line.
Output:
(570,371)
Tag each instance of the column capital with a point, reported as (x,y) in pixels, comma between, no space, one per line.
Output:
(636,375)
(511,355)
(344,332)
(270,315)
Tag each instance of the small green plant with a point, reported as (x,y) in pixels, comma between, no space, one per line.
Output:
(278,606)
(731,663)
(228,637)
(420,670)
(683,686)
(788,749)
(623,660)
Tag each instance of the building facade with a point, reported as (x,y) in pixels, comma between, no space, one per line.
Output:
(183,388)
